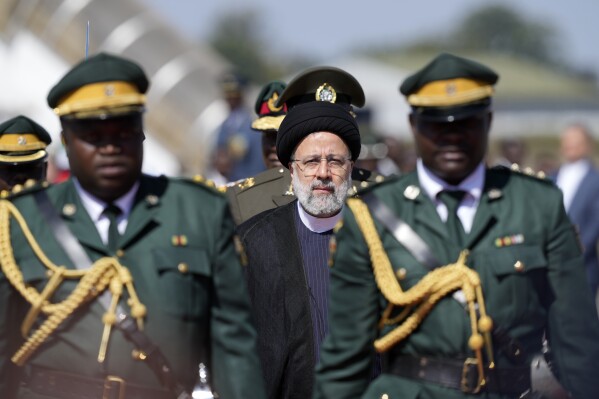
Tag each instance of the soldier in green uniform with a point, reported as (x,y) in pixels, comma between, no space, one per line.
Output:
(115,284)
(272,188)
(514,269)
(23,156)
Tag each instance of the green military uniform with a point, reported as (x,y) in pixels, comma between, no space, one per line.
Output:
(527,258)
(175,272)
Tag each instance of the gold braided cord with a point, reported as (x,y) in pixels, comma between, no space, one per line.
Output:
(104,273)
(425,294)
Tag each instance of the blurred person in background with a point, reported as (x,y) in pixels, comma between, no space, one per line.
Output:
(23,154)
(238,151)
(271,188)
(578,179)
(374,149)
(511,151)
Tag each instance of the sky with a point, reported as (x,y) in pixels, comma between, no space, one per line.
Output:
(324,29)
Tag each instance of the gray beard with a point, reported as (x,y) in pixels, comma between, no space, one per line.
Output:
(320,205)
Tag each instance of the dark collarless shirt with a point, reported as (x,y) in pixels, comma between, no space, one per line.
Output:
(314,248)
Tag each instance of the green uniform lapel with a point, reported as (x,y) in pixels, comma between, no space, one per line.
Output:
(77,219)
(144,212)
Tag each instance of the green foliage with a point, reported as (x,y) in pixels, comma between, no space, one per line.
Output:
(236,37)
(497,28)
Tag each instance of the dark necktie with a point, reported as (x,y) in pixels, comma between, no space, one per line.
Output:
(452,200)
(112,212)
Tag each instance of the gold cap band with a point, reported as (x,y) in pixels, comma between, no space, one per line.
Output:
(445,93)
(20,142)
(102,95)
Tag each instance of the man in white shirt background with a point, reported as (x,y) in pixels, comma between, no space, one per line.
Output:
(579,181)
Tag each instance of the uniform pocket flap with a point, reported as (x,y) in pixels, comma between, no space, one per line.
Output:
(182,259)
(513,260)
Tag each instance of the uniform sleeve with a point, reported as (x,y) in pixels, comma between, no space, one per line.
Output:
(235,365)
(573,326)
(9,372)
(345,367)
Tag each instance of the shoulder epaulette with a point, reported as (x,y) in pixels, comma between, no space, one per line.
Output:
(527,171)
(201,181)
(362,187)
(22,189)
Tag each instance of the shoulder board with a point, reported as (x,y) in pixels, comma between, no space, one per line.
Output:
(529,172)
(19,190)
(362,187)
(259,179)
(201,181)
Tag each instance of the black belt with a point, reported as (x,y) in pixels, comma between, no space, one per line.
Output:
(72,386)
(462,375)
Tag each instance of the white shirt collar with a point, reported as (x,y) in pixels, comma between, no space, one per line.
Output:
(433,185)
(95,206)
(318,225)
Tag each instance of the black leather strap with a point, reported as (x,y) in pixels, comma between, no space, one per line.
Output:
(462,375)
(58,384)
(402,232)
(155,359)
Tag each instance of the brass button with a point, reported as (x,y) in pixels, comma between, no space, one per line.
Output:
(138,355)
(120,253)
(183,268)
(519,266)
(49,273)
(364,184)
(384,396)
(401,273)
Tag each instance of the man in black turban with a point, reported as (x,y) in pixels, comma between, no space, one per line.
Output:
(288,247)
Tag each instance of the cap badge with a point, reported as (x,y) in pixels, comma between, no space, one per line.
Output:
(109,90)
(326,92)
(22,140)
(271,103)
(450,89)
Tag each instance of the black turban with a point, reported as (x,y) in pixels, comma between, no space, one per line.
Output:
(317,116)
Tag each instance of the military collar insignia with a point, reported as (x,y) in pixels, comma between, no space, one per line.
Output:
(326,92)
(495,193)
(179,240)
(69,209)
(152,200)
(411,192)
(509,240)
